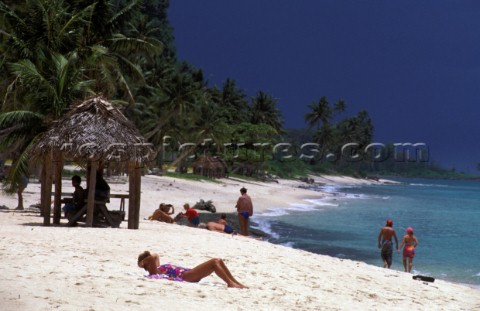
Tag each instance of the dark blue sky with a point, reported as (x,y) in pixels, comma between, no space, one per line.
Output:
(413,65)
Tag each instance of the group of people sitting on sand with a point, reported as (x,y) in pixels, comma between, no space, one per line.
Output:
(244,208)
(164,211)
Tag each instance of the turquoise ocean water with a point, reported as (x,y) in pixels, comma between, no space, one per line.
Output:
(445,216)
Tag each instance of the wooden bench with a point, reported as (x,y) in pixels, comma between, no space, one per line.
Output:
(121,196)
(113,218)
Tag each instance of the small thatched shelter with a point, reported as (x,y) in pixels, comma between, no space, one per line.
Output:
(92,132)
(212,167)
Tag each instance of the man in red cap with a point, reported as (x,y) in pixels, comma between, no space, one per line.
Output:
(385,243)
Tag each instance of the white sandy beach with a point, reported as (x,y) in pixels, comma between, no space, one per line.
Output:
(95,268)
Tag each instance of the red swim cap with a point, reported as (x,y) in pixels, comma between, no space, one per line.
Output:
(409,230)
(389,222)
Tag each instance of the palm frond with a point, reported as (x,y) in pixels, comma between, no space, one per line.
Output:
(19,117)
(30,75)
(133,69)
(123,43)
(65,30)
(18,126)
(84,87)
(127,10)
(19,168)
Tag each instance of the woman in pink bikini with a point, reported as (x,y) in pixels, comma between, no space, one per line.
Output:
(151,263)
(410,242)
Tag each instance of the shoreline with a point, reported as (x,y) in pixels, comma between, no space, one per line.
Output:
(346,196)
(269,235)
(95,268)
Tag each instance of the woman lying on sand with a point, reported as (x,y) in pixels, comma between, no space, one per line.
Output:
(151,263)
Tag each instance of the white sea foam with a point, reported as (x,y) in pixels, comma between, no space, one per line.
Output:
(261,222)
(330,189)
(312,205)
(288,244)
(265,226)
(321,202)
(335,188)
(428,185)
(358,196)
(273,212)
(300,207)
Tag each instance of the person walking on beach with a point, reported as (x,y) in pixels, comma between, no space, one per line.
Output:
(245,211)
(410,242)
(385,243)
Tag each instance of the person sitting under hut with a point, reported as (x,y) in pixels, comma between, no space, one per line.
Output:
(102,189)
(74,204)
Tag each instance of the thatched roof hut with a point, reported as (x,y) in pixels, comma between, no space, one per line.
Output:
(94,129)
(212,167)
(94,132)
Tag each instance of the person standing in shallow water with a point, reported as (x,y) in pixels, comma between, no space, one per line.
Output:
(385,243)
(410,242)
(245,211)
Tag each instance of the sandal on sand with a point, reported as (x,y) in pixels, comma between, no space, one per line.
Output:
(423,278)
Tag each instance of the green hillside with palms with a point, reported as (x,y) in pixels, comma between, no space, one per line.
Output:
(55,53)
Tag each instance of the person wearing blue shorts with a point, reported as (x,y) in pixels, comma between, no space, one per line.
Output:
(191,215)
(220,225)
(245,210)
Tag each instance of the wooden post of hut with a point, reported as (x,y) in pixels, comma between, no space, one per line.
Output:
(132,195)
(46,195)
(42,188)
(138,185)
(57,208)
(91,193)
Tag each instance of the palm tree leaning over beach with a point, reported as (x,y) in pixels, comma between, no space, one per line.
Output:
(55,53)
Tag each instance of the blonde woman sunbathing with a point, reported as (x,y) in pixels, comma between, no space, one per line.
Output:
(151,263)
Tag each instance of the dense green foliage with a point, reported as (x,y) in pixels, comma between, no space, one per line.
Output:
(56,52)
